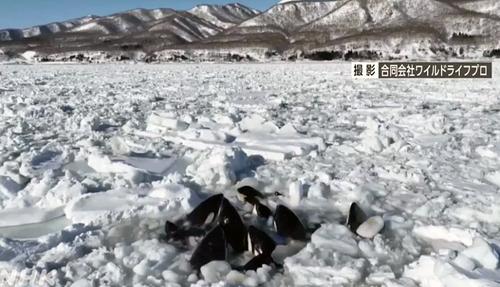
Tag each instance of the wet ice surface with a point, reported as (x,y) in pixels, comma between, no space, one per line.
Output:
(119,149)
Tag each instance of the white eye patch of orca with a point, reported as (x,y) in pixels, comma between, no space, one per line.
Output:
(210,218)
(208,209)
(249,242)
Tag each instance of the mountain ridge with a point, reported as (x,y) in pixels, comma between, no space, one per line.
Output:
(289,29)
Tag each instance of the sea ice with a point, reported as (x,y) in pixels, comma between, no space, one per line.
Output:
(95,158)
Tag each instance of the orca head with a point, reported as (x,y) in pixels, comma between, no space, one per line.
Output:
(248,191)
(234,228)
(288,224)
(172,230)
(251,200)
(212,247)
(356,217)
(206,212)
(259,242)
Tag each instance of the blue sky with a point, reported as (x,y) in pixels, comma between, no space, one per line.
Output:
(26,13)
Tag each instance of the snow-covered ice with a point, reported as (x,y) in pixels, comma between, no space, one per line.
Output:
(95,158)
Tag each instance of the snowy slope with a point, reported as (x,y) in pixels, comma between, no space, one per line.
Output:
(292,15)
(224,16)
(186,26)
(212,16)
(126,22)
(174,24)
(136,31)
(354,23)
(43,30)
(385,28)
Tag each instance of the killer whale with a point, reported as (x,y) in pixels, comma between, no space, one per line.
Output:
(259,242)
(224,232)
(288,224)
(234,228)
(212,247)
(208,210)
(250,192)
(356,217)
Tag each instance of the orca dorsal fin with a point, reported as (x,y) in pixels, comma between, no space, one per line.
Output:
(288,223)
(356,217)
(212,247)
(234,228)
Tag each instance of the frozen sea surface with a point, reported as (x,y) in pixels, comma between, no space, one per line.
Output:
(95,158)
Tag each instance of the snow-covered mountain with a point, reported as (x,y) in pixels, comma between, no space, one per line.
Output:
(180,23)
(379,25)
(225,16)
(138,29)
(382,28)
(43,30)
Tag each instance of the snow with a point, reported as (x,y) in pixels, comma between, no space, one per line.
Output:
(29,55)
(13,217)
(95,158)
(225,16)
(215,271)
(220,167)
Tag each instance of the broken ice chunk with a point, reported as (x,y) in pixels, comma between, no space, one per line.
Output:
(371,227)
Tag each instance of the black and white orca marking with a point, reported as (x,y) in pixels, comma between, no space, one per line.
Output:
(226,229)
(234,228)
(259,209)
(288,224)
(356,217)
(253,196)
(259,242)
(214,210)
(212,247)
(206,212)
